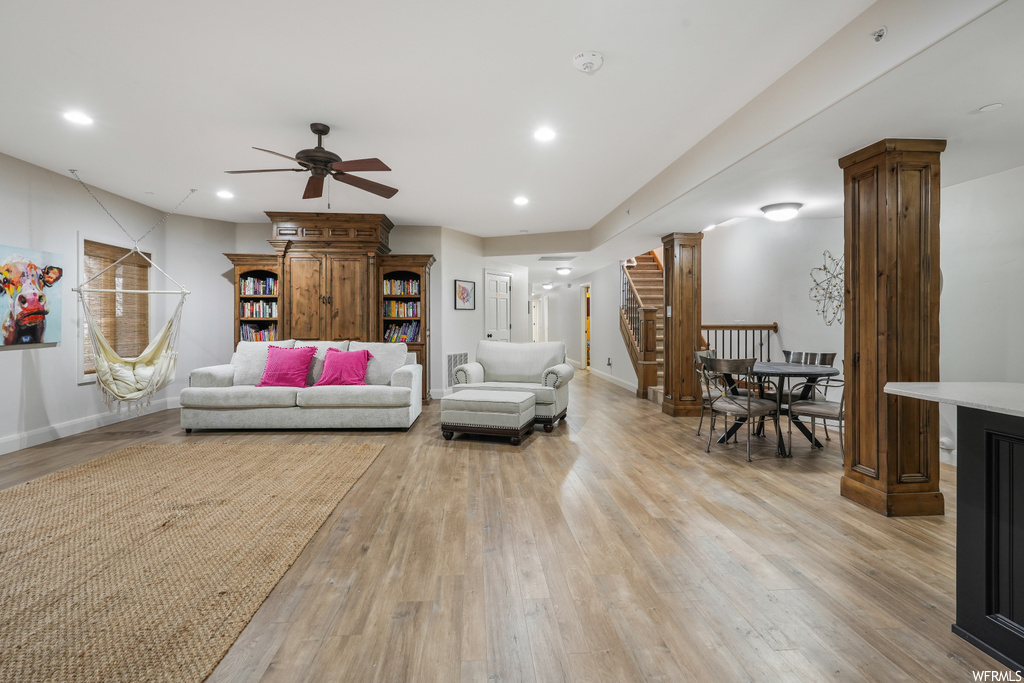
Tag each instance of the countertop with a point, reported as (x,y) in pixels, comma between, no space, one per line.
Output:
(997,397)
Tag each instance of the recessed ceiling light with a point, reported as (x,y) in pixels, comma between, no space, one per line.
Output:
(544,134)
(991,107)
(521,201)
(78,117)
(564,270)
(781,212)
(224,194)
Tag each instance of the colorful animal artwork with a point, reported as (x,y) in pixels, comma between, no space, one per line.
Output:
(28,298)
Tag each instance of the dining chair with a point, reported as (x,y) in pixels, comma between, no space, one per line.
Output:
(722,375)
(817,407)
(809,358)
(705,390)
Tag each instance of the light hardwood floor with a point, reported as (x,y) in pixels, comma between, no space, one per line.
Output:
(613,549)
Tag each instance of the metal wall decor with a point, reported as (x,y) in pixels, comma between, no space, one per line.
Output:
(828,288)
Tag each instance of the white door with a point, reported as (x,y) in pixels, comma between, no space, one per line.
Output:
(497,307)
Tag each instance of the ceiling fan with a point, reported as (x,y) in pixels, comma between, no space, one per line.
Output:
(322,163)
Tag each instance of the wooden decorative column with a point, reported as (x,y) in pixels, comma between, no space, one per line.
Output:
(682,322)
(892,325)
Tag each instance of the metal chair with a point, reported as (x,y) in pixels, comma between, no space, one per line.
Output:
(705,390)
(809,358)
(818,408)
(722,375)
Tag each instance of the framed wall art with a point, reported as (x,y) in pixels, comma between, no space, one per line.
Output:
(30,299)
(465,295)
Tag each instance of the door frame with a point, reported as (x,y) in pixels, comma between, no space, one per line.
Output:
(585,288)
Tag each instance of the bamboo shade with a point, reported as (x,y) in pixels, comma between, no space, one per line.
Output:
(122,318)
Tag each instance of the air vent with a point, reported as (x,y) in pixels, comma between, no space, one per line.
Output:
(454,361)
(556,258)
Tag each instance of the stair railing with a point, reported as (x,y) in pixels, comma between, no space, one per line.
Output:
(741,341)
(639,327)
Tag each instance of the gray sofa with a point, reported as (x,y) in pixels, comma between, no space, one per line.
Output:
(537,367)
(225,396)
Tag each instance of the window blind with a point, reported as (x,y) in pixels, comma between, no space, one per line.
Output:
(122,318)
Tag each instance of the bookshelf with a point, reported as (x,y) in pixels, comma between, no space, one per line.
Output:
(257,284)
(403,284)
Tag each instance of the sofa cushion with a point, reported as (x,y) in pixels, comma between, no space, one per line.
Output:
(347,396)
(238,397)
(515,362)
(286,367)
(251,357)
(542,393)
(386,359)
(345,368)
(316,368)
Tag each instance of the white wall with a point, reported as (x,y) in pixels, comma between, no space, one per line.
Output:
(462,259)
(45,211)
(981,314)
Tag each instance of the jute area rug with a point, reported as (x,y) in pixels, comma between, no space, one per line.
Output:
(145,564)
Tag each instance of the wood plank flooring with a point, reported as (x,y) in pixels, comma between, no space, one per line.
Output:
(613,549)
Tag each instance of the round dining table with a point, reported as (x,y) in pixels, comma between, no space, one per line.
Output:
(785,372)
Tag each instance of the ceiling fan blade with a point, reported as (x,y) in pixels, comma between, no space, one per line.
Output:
(314,187)
(368,185)
(356,165)
(270,170)
(283,156)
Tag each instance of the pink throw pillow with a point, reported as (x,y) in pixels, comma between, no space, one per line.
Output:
(287,367)
(344,367)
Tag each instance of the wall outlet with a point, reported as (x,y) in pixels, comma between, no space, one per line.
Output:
(609,362)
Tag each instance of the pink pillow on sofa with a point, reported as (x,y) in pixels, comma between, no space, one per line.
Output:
(287,367)
(344,367)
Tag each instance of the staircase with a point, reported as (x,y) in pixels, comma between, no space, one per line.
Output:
(645,280)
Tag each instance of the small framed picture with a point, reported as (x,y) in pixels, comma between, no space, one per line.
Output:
(465,295)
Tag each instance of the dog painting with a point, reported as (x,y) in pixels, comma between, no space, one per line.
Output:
(30,304)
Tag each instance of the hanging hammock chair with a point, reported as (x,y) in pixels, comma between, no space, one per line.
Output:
(131,382)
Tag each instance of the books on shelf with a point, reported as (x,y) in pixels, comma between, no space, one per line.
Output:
(401,287)
(257,286)
(257,309)
(249,332)
(403,332)
(401,309)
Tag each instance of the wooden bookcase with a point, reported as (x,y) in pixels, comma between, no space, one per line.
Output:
(257,279)
(403,286)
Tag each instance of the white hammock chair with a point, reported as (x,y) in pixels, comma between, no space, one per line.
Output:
(131,382)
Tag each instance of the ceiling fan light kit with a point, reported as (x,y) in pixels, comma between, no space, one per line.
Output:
(322,163)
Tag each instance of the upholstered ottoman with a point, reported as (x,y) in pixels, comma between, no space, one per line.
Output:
(478,411)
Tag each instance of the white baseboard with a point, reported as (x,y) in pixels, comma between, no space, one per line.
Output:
(576,365)
(632,386)
(9,444)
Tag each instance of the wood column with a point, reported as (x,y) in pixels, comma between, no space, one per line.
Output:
(681,259)
(892,325)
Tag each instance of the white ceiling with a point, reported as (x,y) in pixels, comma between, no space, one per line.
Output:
(448,93)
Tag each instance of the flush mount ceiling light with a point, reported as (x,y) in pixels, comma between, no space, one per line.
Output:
(521,201)
(544,134)
(225,194)
(548,285)
(564,270)
(588,62)
(78,117)
(781,212)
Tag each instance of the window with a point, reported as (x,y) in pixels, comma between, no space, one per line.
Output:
(123,318)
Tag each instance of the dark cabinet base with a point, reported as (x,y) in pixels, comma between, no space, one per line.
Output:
(990,534)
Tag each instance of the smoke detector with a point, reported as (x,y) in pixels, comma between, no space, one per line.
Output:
(588,62)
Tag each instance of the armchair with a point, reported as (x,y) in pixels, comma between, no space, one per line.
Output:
(537,367)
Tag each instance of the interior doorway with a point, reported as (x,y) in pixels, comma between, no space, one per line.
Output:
(497,306)
(585,326)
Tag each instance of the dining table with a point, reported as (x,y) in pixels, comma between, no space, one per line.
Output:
(785,372)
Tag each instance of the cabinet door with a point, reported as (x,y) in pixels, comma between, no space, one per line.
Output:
(348,313)
(305,308)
